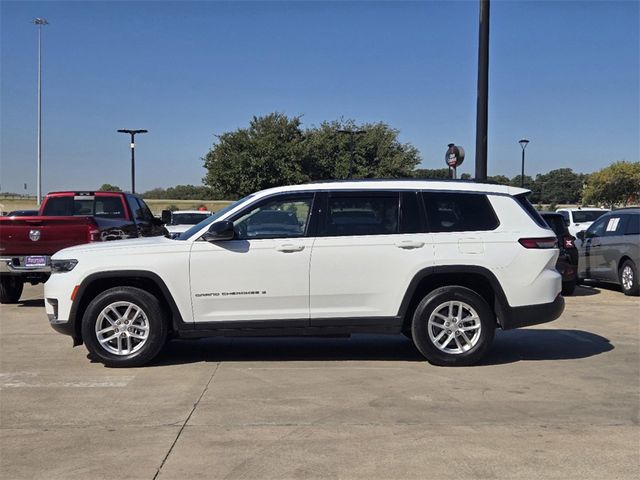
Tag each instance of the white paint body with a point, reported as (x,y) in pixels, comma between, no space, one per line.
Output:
(322,277)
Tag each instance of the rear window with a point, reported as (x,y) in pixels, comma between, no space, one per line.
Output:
(581,216)
(80,205)
(532,212)
(459,212)
(557,224)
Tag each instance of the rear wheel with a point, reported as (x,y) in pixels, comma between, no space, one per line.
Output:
(10,289)
(124,327)
(628,275)
(453,326)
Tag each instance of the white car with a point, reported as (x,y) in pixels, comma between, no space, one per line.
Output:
(183,220)
(578,219)
(445,263)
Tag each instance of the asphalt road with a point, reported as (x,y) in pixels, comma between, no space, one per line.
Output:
(558,401)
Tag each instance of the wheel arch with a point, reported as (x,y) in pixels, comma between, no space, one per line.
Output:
(97,283)
(479,279)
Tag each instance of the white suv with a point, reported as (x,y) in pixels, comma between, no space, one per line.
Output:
(445,263)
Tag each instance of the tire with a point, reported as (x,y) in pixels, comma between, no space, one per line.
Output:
(628,275)
(119,336)
(568,288)
(443,305)
(10,289)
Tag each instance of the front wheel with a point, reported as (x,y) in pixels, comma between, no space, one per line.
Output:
(629,278)
(10,289)
(124,327)
(453,326)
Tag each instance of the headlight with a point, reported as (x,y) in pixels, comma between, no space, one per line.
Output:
(60,266)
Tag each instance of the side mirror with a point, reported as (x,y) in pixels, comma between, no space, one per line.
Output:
(220,231)
(580,234)
(165,215)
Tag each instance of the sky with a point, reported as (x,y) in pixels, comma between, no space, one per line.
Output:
(565,75)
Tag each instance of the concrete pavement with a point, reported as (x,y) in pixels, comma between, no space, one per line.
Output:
(559,400)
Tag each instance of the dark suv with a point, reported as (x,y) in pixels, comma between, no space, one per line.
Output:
(567,263)
(610,250)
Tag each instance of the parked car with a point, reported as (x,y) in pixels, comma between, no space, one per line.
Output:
(182,220)
(610,250)
(580,218)
(23,213)
(66,219)
(445,263)
(567,263)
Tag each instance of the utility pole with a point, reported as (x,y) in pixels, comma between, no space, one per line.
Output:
(39,22)
(483,92)
(351,134)
(133,134)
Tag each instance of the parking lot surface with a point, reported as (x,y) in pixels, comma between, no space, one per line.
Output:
(560,400)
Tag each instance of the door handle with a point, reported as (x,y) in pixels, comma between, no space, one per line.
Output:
(288,248)
(409,244)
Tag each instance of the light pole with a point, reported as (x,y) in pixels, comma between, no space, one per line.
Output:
(351,134)
(133,155)
(39,22)
(523,143)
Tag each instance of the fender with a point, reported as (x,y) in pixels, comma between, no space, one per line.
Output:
(178,322)
(501,303)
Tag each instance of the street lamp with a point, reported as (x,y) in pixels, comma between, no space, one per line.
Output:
(39,22)
(351,135)
(133,155)
(523,143)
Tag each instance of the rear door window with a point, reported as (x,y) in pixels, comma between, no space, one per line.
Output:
(460,212)
(633,225)
(362,214)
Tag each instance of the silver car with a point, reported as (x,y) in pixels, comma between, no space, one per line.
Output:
(609,250)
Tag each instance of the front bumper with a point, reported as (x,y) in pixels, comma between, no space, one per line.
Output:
(527,315)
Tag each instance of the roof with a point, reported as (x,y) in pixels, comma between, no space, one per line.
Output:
(402,184)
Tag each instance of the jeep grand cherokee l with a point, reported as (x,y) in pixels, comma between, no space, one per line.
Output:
(442,262)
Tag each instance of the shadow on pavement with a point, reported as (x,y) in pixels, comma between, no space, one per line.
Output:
(545,344)
(585,291)
(34,302)
(508,347)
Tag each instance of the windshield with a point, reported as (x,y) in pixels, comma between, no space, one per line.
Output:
(209,220)
(188,218)
(587,215)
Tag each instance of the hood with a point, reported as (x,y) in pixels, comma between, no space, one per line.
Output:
(114,245)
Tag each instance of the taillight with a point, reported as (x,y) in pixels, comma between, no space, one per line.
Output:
(545,242)
(93,233)
(568,242)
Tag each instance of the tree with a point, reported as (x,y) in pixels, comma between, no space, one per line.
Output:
(434,173)
(619,183)
(275,150)
(183,192)
(561,186)
(264,155)
(107,187)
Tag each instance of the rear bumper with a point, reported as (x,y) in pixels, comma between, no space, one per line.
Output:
(517,317)
(16,265)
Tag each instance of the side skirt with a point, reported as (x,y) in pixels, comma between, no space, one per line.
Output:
(326,327)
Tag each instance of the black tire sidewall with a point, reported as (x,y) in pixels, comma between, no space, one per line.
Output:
(155,316)
(635,287)
(420,331)
(568,288)
(10,289)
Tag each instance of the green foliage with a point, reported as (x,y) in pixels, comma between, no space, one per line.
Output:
(183,192)
(274,150)
(619,183)
(107,187)
(435,173)
(562,186)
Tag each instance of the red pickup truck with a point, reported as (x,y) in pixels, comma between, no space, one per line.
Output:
(66,219)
